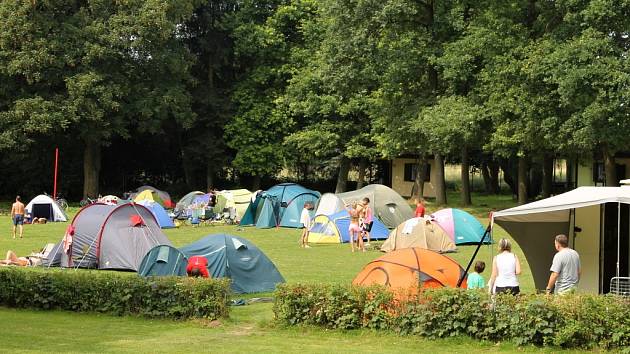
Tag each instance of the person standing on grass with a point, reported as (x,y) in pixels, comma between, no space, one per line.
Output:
(366,218)
(305,220)
(505,268)
(565,268)
(475,279)
(420,209)
(17,215)
(354,229)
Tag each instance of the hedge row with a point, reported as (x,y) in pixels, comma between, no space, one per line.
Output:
(113,293)
(570,321)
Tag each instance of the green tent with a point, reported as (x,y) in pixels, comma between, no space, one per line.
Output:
(163,260)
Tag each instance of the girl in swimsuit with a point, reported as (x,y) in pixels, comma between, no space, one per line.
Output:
(354,229)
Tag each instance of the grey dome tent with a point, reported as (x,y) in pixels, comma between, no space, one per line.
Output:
(238,259)
(163,260)
(387,205)
(109,237)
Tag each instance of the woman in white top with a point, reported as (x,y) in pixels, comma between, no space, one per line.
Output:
(505,268)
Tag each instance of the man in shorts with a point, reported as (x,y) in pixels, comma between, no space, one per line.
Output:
(17,215)
(565,268)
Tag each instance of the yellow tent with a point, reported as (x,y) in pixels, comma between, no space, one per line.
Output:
(419,232)
(150,196)
(238,199)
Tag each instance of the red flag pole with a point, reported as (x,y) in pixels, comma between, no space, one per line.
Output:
(56,165)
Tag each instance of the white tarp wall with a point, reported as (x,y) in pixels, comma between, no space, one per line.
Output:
(534,226)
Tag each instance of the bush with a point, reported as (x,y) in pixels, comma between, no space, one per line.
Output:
(114,293)
(569,321)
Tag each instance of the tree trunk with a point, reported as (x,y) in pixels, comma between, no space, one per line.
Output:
(522,180)
(466,199)
(363,164)
(91,169)
(342,178)
(189,171)
(547,171)
(421,176)
(494,176)
(440,183)
(609,167)
(255,183)
(487,181)
(209,176)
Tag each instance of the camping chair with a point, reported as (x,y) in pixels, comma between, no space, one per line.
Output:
(620,286)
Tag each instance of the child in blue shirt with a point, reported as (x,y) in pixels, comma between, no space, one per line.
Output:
(475,280)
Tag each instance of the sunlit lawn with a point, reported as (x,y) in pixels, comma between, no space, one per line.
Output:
(250,327)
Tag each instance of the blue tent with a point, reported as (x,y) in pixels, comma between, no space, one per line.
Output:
(159,212)
(334,229)
(280,205)
(238,259)
(163,260)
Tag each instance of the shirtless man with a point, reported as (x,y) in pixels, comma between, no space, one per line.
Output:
(13,259)
(17,215)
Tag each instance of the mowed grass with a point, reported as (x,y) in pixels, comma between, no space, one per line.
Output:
(249,327)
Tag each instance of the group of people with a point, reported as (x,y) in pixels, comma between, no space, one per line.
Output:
(361,221)
(565,270)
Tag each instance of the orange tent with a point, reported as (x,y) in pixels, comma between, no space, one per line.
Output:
(411,268)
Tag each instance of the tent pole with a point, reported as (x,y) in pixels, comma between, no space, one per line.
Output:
(618,241)
(461,279)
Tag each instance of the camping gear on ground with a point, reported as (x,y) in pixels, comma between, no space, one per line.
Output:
(45,207)
(388,206)
(238,199)
(163,260)
(238,259)
(411,268)
(419,232)
(280,205)
(163,197)
(462,227)
(161,216)
(186,201)
(109,237)
(595,219)
(334,229)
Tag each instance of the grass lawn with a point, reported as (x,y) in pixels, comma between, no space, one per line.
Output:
(249,327)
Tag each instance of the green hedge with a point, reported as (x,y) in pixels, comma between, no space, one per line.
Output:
(113,293)
(571,321)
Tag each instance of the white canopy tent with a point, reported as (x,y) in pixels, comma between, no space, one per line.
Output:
(584,215)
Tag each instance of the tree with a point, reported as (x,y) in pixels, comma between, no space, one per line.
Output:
(101,69)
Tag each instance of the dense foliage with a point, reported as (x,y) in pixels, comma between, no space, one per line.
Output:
(112,293)
(190,94)
(582,321)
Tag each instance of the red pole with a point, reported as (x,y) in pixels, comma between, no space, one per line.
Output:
(56,165)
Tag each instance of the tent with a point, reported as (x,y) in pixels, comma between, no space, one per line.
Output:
(44,206)
(334,229)
(238,259)
(238,199)
(462,227)
(596,221)
(186,200)
(163,196)
(414,268)
(280,205)
(388,206)
(419,232)
(110,237)
(148,195)
(159,213)
(163,260)
(111,199)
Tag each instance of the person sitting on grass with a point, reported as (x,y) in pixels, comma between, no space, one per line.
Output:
(13,259)
(475,279)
